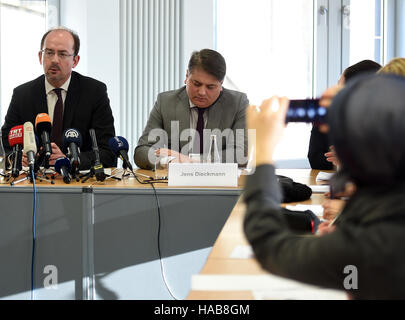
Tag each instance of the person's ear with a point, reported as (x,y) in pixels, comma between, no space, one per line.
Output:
(76,60)
(40,57)
(185,80)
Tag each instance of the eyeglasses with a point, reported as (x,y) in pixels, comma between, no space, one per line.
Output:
(50,53)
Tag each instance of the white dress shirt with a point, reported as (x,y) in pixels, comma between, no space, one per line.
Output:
(194,116)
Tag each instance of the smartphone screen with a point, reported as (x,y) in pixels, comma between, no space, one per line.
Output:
(306,110)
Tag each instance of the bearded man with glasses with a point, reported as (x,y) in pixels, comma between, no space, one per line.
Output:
(70,99)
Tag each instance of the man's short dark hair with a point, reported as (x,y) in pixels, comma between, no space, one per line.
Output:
(364,66)
(76,39)
(211,61)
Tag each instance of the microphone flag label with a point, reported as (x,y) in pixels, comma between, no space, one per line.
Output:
(72,133)
(16,133)
(120,143)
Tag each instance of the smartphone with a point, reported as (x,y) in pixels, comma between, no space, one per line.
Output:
(306,110)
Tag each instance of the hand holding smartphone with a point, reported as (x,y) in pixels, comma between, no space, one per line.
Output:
(306,110)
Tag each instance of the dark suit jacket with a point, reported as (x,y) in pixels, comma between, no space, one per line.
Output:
(227,114)
(318,145)
(86,106)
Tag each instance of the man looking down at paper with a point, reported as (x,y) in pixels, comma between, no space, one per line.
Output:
(182,120)
(366,127)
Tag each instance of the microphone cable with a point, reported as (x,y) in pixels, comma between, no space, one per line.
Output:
(33,236)
(162,269)
(158,241)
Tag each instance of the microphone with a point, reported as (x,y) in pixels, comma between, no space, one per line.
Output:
(72,142)
(15,139)
(40,157)
(30,146)
(119,146)
(63,167)
(43,126)
(98,167)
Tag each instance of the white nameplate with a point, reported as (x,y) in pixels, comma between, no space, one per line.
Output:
(203,174)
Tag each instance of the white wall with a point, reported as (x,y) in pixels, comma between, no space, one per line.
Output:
(97,23)
(73,15)
(199,27)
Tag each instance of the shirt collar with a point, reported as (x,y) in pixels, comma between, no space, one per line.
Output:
(192,105)
(49,87)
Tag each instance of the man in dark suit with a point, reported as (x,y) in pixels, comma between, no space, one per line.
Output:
(180,118)
(70,99)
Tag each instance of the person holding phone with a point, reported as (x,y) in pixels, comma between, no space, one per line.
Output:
(370,231)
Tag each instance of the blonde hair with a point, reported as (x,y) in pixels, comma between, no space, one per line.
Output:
(395,66)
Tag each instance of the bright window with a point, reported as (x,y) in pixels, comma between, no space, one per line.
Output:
(294,48)
(366,31)
(268,47)
(22,24)
(365,27)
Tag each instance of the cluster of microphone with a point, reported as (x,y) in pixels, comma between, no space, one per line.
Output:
(22,139)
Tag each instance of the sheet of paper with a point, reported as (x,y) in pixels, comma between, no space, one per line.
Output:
(242,252)
(263,287)
(319,188)
(324,176)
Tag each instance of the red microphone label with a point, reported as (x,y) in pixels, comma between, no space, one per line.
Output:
(16,133)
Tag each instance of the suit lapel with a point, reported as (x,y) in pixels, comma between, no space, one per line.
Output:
(41,103)
(215,114)
(182,114)
(72,101)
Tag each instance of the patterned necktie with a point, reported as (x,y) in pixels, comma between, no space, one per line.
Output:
(57,124)
(200,125)
(200,128)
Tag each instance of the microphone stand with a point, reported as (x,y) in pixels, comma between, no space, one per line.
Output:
(97,168)
(43,159)
(6,176)
(88,175)
(75,172)
(92,173)
(127,172)
(29,177)
(100,175)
